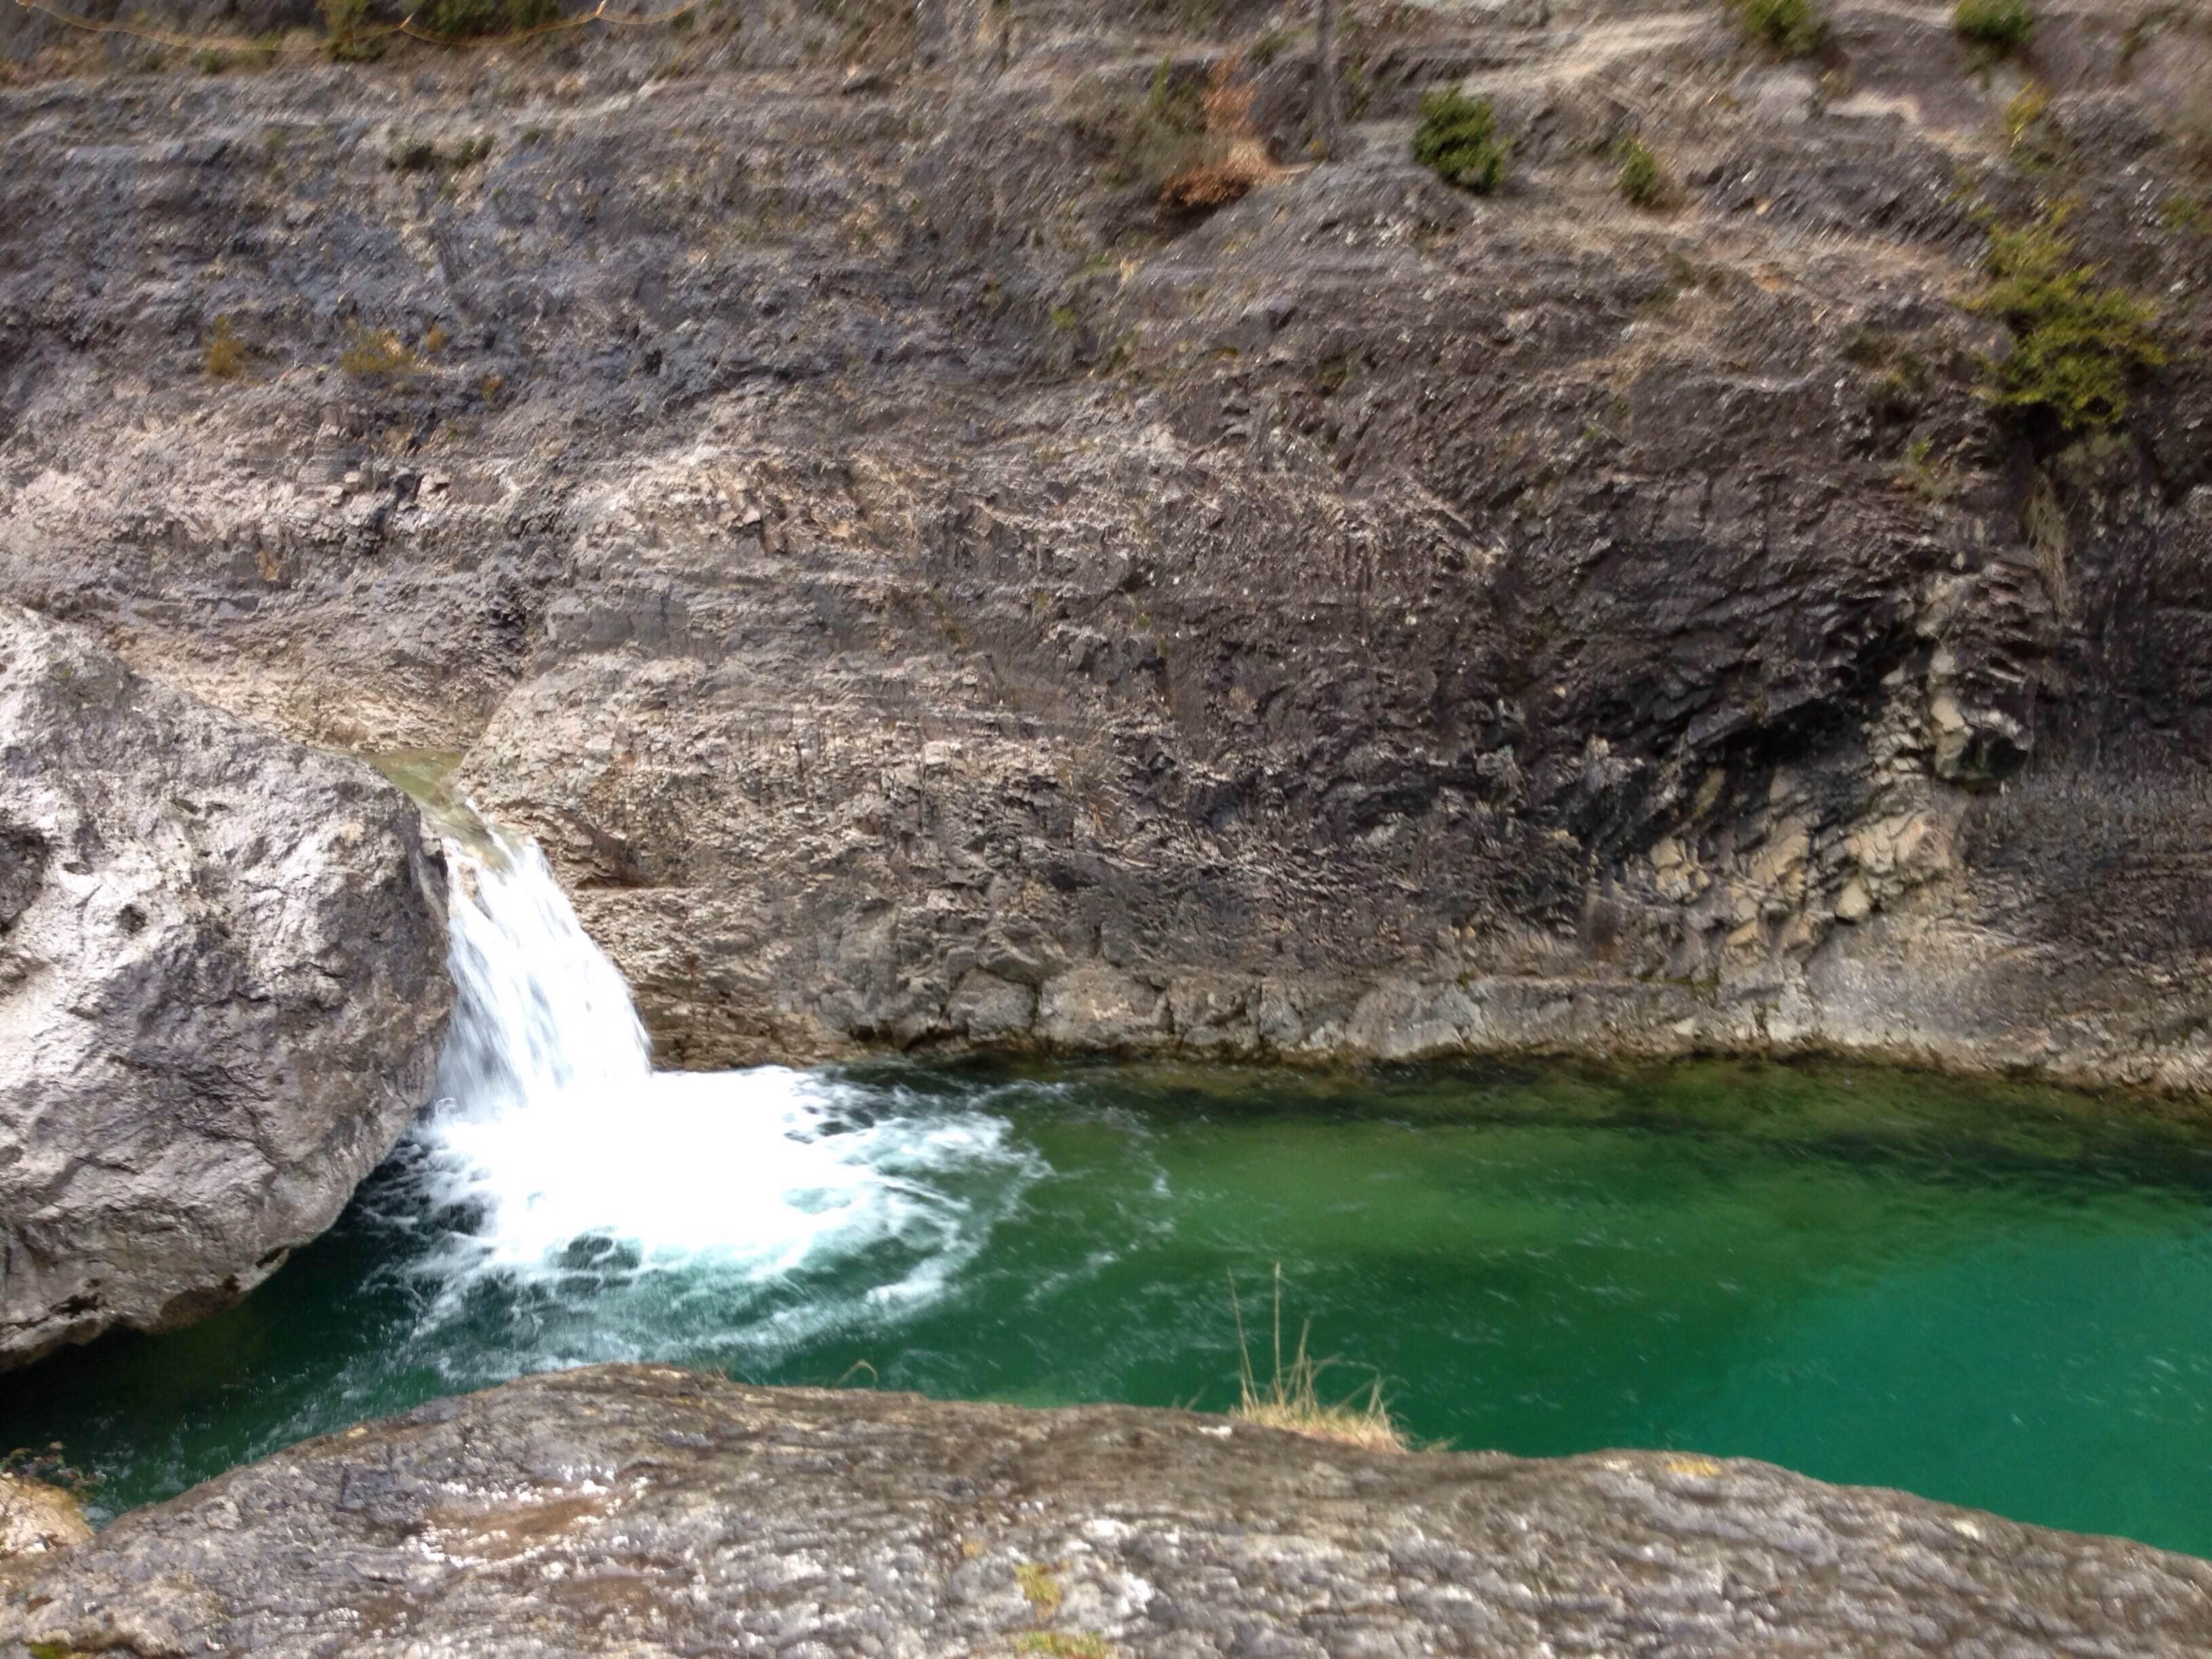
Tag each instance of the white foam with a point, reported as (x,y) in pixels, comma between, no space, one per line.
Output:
(651,1211)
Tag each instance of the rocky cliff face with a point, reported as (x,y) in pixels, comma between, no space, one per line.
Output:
(644,1509)
(222,990)
(924,591)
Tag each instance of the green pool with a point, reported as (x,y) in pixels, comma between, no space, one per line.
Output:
(1997,1295)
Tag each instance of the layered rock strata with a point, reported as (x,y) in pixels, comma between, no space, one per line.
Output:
(925,591)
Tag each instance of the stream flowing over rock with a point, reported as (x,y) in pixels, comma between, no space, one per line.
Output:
(222,987)
(647,1510)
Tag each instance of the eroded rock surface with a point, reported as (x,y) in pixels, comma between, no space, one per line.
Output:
(222,991)
(924,591)
(36,1519)
(648,1510)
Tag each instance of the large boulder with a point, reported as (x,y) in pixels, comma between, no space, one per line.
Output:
(630,1510)
(222,992)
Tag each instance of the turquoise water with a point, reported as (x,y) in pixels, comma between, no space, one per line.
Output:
(2001,1296)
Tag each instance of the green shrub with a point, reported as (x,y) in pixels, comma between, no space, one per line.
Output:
(1151,141)
(351,40)
(1794,28)
(2002,25)
(467,20)
(1457,141)
(1269,46)
(1056,1644)
(1642,182)
(211,61)
(1921,475)
(2023,109)
(2076,342)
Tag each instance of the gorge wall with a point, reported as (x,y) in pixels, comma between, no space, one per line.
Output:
(923,590)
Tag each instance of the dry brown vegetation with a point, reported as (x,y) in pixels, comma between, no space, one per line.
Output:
(226,352)
(370,354)
(1290,1398)
(1232,159)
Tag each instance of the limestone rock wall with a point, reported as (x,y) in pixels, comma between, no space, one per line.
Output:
(926,593)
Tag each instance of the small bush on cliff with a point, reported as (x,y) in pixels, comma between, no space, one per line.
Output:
(1457,140)
(1642,182)
(370,355)
(226,352)
(470,20)
(2002,25)
(1789,28)
(1148,142)
(352,40)
(2035,141)
(1922,474)
(2076,342)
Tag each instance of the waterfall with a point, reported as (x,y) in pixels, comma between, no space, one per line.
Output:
(599,1209)
(541,1013)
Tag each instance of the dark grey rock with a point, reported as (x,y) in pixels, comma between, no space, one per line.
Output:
(222,990)
(647,1510)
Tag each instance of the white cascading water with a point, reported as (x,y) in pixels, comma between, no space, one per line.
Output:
(642,1213)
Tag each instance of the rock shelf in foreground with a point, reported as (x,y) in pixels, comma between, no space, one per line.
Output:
(647,1510)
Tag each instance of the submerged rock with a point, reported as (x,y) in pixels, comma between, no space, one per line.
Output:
(650,1511)
(222,992)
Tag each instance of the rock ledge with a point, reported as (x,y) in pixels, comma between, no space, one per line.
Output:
(640,1510)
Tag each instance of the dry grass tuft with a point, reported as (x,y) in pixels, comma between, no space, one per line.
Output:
(226,353)
(1291,1397)
(373,356)
(1040,1588)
